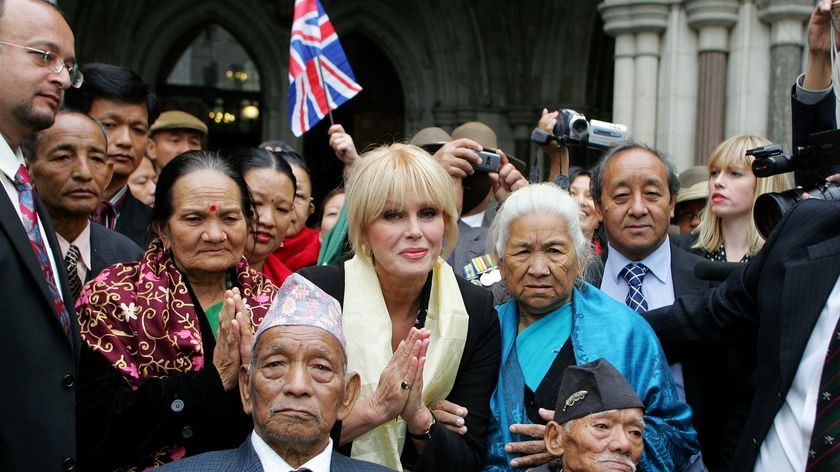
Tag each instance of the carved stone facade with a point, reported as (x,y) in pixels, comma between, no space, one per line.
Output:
(717,68)
(682,74)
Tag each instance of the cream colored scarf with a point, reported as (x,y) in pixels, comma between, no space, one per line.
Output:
(367,327)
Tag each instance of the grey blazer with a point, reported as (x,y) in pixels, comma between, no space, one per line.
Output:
(245,459)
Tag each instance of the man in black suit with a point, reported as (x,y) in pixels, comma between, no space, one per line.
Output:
(117,98)
(295,386)
(789,297)
(635,189)
(785,304)
(39,341)
(70,169)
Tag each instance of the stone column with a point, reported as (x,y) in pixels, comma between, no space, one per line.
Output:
(636,25)
(712,19)
(787,20)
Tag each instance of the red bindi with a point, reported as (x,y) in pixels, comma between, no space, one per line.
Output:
(212,207)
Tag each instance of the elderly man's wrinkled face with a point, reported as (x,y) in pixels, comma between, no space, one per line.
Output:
(297,389)
(601,442)
(539,262)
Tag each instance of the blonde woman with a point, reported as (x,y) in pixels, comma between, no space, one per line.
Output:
(425,342)
(727,231)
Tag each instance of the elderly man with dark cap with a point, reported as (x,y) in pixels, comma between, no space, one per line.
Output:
(295,387)
(174,132)
(598,422)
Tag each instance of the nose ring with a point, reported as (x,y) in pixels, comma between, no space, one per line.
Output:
(224,238)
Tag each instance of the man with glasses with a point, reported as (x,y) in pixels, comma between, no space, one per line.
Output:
(39,341)
(118,98)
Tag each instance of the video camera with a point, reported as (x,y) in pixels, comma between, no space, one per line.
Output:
(573,128)
(770,160)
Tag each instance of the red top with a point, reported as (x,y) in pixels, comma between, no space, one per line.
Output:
(300,250)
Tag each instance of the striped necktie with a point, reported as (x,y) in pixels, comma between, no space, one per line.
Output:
(634,273)
(824,453)
(30,223)
(71,261)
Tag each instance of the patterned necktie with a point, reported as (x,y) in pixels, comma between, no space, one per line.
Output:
(104,214)
(823,454)
(30,222)
(71,260)
(634,273)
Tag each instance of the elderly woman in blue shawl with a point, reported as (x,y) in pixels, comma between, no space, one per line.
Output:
(555,320)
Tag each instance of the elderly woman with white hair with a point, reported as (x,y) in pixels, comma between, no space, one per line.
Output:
(555,319)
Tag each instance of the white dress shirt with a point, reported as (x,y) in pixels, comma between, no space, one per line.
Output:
(787,443)
(83,243)
(272,462)
(657,287)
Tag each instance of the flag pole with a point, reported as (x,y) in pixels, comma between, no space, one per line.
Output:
(324,86)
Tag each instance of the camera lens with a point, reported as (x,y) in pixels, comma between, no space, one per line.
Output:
(580,126)
(771,207)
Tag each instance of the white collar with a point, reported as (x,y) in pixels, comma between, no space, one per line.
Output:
(272,462)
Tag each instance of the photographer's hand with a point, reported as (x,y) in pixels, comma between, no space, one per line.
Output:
(834,178)
(818,68)
(507,179)
(558,154)
(459,156)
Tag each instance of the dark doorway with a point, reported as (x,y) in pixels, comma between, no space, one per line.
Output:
(212,76)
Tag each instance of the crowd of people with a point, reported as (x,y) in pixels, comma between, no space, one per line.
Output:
(172,307)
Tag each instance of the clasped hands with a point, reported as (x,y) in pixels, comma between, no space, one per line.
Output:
(233,340)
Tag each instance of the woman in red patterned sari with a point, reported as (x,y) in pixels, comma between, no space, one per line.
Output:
(164,337)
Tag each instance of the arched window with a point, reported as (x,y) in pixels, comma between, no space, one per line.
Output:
(212,76)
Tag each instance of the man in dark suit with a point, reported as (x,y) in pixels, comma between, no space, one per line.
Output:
(635,189)
(70,169)
(785,298)
(295,387)
(118,99)
(39,342)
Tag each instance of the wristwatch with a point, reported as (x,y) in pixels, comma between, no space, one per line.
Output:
(426,435)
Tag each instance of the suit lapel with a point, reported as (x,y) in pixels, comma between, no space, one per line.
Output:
(807,284)
(10,221)
(682,273)
(96,262)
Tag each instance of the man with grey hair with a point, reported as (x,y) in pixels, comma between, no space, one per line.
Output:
(598,423)
(295,387)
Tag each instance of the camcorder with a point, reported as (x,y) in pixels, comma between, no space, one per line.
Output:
(573,128)
(823,152)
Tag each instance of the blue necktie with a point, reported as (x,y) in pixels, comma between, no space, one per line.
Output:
(634,273)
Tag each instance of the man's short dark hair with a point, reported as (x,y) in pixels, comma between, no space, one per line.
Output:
(114,83)
(596,183)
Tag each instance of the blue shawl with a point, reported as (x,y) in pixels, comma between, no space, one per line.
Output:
(601,327)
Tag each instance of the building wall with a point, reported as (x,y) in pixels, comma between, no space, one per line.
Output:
(495,60)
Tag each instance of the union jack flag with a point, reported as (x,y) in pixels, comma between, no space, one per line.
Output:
(320,78)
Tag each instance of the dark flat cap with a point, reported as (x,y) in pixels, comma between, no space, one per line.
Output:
(593,388)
